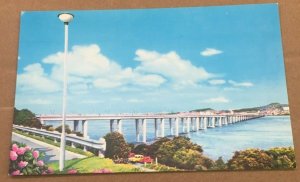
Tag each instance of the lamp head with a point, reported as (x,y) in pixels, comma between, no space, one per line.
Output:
(65,17)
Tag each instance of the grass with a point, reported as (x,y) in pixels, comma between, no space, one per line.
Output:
(160,167)
(90,164)
(51,142)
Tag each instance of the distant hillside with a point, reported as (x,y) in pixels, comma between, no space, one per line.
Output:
(204,109)
(266,107)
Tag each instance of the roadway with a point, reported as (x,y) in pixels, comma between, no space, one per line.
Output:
(51,152)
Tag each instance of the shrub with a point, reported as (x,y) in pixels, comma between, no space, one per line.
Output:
(116,146)
(26,118)
(282,157)
(51,129)
(67,129)
(26,161)
(77,133)
(141,149)
(250,159)
(46,127)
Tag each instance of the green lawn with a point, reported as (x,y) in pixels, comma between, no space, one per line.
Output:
(90,164)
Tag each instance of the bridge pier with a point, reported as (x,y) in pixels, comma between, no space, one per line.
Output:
(183,125)
(188,125)
(137,130)
(162,127)
(155,128)
(111,124)
(171,126)
(176,126)
(76,125)
(119,125)
(85,128)
(197,123)
(220,121)
(144,123)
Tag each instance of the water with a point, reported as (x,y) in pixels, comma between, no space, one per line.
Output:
(263,133)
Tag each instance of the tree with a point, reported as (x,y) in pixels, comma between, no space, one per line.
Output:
(282,157)
(220,164)
(26,118)
(250,159)
(187,158)
(153,148)
(67,129)
(116,146)
(141,149)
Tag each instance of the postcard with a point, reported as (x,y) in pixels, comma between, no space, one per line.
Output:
(151,90)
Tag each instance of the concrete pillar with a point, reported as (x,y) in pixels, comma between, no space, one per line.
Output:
(85,128)
(225,120)
(192,124)
(171,126)
(84,148)
(182,125)
(155,128)
(176,126)
(162,127)
(72,145)
(119,123)
(188,125)
(220,121)
(144,123)
(111,125)
(197,123)
(137,130)
(55,140)
(213,122)
(205,123)
(75,125)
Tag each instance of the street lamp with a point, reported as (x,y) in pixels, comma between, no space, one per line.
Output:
(66,18)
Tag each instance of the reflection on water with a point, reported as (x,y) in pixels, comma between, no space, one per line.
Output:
(261,133)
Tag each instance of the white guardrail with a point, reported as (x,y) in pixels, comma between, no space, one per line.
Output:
(100,145)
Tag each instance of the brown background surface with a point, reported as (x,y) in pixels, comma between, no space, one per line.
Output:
(9,28)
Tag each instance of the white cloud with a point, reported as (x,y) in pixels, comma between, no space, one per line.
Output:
(217,100)
(216,82)
(210,52)
(35,79)
(171,66)
(39,102)
(240,84)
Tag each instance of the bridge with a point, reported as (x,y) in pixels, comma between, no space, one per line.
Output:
(99,146)
(190,122)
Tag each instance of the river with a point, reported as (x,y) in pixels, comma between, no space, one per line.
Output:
(263,133)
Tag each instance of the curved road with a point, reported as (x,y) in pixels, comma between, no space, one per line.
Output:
(51,152)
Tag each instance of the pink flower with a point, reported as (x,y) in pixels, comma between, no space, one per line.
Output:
(40,163)
(15,147)
(15,173)
(36,154)
(72,171)
(22,164)
(103,171)
(50,170)
(27,148)
(13,155)
(21,151)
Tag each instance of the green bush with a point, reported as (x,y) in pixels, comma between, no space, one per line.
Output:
(67,129)
(141,149)
(26,118)
(51,129)
(116,146)
(282,157)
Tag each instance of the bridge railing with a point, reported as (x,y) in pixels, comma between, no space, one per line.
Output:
(99,146)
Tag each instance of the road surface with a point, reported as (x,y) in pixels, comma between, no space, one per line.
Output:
(51,152)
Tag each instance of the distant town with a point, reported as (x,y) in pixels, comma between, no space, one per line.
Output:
(273,109)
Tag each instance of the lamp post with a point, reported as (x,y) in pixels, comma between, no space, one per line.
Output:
(66,18)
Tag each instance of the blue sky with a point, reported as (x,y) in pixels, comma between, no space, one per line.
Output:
(152,60)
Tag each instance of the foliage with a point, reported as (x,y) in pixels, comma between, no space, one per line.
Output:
(219,164)
(26,161)
(67,129)
(274,158)
(160,167)
(153,148)
(26,118)
(250,159)
(282,157)
(77,133)
(182,153)
(141,149)
(46,127)
(93,165)
(116,146)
